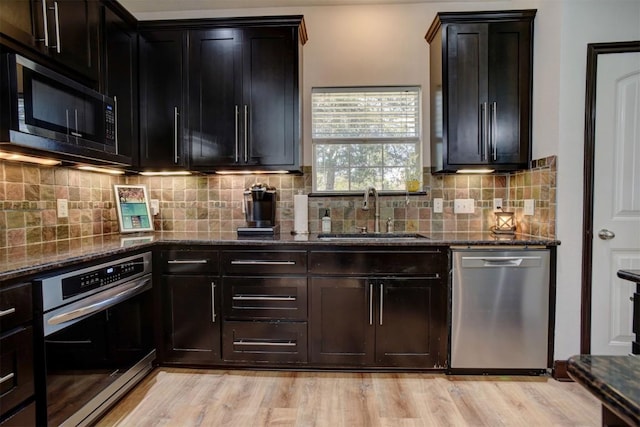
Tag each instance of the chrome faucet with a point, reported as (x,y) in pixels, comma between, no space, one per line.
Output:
(365,206)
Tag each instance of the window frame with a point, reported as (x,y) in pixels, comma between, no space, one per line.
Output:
(415,140)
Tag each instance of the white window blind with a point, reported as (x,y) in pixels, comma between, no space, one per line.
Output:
(376,112)
(365,136)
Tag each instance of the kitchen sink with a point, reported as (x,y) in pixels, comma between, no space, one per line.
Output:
(370,236)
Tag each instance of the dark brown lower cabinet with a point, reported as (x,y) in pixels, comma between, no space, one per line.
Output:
(192,321)
(391,322)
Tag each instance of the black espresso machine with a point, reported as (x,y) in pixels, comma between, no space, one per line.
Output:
(259,205)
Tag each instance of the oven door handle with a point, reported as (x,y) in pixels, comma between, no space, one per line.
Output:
(132,289)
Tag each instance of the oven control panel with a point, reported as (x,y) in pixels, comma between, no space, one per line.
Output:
(102,276)
(71,285)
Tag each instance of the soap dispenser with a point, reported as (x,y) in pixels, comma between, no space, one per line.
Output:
(326,222)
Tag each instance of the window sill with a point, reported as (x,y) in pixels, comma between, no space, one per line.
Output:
(361,193)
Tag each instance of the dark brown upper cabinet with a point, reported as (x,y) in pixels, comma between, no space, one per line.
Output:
(236,88)
(481,67)
(120,74)
(248,80)
(162,99)
(67,32)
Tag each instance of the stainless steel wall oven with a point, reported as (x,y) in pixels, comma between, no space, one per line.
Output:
(96,338)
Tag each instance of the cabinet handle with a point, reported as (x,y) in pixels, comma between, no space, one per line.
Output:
(494,130)
(6,378)
(246,135)
(175,134)
(115,116)
(7,312)
(370,303)
(262,298)
(485,134)
(45,24)
(213,302)
(237,157)
(76,133)
(266,343)
(381,301)
(260,262)
(56,15)
(187,261)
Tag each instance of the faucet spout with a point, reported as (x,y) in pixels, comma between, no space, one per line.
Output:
(365,206)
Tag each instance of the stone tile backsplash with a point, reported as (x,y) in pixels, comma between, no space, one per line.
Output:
(28,195)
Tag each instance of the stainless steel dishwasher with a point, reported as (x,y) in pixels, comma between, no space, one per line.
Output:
(500,309)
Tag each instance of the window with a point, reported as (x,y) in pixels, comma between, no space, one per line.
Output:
(365,136)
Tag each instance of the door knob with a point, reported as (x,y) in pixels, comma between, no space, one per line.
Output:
(606,234)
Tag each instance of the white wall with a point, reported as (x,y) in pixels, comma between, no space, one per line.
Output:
(583,22)
(382,45)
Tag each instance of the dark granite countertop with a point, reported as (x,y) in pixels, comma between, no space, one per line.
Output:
(615,380)
(17,262)
(631,275)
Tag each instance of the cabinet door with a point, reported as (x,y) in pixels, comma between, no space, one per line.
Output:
(191,321)
(467,111)
(411,322)
(509,92)
(18,20)
(73,34)
(215,85)
(342,329)
(120,78)
(270,87)
(161,101)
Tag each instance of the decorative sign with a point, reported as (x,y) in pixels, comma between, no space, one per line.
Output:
(132,203)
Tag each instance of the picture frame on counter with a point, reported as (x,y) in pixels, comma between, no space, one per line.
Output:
(132,205)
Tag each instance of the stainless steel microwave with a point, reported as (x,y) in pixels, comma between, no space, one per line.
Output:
(45,113)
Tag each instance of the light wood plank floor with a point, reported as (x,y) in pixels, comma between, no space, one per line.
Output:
(186,397)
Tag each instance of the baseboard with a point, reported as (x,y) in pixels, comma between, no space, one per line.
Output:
(559,371)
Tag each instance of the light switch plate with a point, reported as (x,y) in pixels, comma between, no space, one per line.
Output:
(529,206)
(63,208)
(463,206)
(437,205)
(497,204)
(155,207)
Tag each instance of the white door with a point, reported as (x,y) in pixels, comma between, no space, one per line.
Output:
(616,201)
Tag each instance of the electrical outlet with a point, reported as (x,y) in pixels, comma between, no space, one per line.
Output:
(63,208)
(529,206)
(155,207)
(463,206)
(437,205)
(497,204)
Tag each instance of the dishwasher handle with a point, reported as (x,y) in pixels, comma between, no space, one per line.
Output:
(500,261)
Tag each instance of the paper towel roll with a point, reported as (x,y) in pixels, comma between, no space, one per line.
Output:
(300,214)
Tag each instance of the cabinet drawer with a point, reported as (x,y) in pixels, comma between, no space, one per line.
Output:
(16,369)
(24,417)
(15,306)
(430,262)
(265,262)
(265,297)
(189,262)
(276,342)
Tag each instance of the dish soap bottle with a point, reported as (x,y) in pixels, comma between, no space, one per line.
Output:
(326,222)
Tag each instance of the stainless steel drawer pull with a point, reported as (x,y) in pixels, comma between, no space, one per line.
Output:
(260,262)
(370,303)
(381,302)
(262,298)
(6,378)
(45,23)
(266,343)
(213,302)
(7,312)
(187,261)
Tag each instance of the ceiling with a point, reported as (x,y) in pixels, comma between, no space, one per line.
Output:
(146,6)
